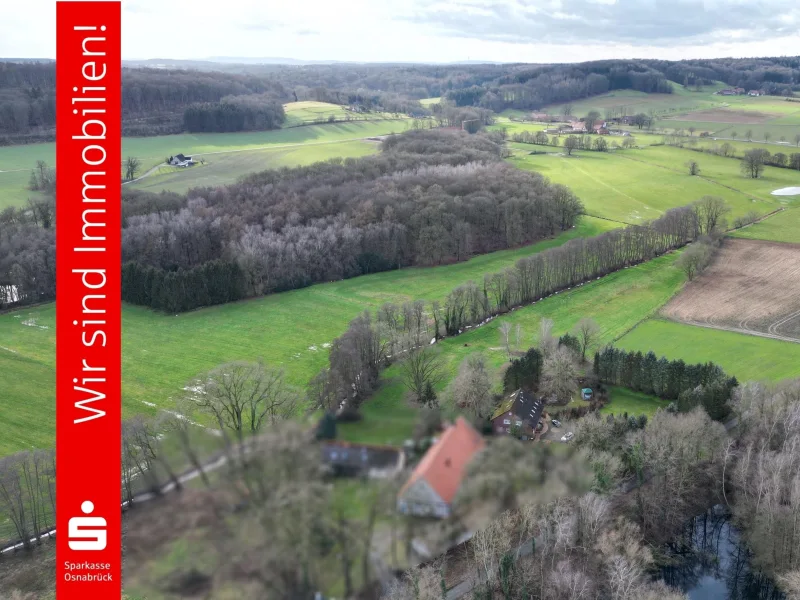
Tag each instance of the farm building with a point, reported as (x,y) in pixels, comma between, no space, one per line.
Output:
(353,460)
(179,160)
(520,410)
(432,487)
(600,128)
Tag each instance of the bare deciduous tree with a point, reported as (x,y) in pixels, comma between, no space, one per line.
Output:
(180,425)
(670,449)
(546,341)
(472,387)
(280,544)
(695,259)
(711,211)
(505,336)
(571,143)
(422,370)
(588,333)
(244,396)
(559,375)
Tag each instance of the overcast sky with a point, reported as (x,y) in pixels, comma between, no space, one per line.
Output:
(428,30)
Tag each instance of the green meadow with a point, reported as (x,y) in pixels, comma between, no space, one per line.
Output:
(308,111)
(227,167)
(161,353)
(622,400)
(747,357)
(16,162)
(27,403)
(617,302)
(639,102)
(636,185)
(775,128)
(293,330)
(761,115)
(781,227)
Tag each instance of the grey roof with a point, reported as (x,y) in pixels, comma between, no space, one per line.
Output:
(525,406)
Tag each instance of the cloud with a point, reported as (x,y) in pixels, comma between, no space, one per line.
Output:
(645,22)
(431,30)
(258,26)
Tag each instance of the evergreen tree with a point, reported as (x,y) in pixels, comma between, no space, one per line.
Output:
(524,372)
(571,342)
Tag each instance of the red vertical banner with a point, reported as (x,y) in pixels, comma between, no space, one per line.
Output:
(88,390)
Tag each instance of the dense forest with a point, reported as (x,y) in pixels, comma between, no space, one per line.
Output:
(250,112)
(154,100)
(430,197)
(776,74)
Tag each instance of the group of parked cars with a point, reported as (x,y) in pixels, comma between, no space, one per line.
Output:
(567,436)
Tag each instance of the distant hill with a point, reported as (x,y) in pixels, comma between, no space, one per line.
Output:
(212,62)
(27,60)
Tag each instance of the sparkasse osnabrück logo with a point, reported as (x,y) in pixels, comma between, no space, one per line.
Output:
(87,533)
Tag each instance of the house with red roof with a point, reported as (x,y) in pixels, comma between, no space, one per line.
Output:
(433,485)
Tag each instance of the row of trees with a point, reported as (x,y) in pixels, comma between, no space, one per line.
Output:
(357,356)
(573,142)
(27,495)
(579,260)
(586,142)
(705,385)
(752,161)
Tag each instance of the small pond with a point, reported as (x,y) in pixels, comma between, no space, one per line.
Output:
(709,561)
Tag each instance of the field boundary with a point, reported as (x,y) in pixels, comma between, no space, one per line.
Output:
(713,181)
(758,220)
(752,332)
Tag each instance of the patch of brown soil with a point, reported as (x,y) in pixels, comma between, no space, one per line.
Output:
(752,286)
(725,115)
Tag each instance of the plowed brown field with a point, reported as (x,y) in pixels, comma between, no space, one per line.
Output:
(751,287)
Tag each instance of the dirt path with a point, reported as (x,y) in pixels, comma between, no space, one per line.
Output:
(781,338)
(148,172)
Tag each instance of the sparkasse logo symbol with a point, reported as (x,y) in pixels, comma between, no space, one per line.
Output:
(87,533)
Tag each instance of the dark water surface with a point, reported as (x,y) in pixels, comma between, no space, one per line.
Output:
(709,561)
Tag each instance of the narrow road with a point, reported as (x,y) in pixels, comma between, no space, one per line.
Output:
(148,172)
